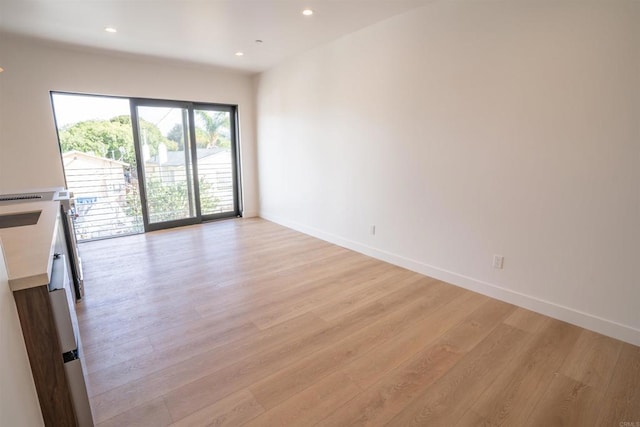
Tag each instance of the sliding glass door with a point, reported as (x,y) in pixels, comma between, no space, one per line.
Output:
(216,154)
(186,160)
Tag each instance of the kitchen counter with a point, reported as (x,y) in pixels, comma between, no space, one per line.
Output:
(29,248)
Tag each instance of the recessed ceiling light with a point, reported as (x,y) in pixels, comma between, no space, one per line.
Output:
(1,69)
(307,12)
(110,30)
(239,53)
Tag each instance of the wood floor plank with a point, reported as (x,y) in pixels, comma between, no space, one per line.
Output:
(220,307)
(395,390)
(212,278)
(311,404)
(153,413)
(212,273)
(475,327)
(137,367)
(592,360)
(205,391)
(165,381)
(143,325)
(214,330)
(526,320)
(574,394)
(205,283)
(155,252)
(245,321)
(622,401)
(301,374)
(107,353)
(279,293)
(386,398)
(371,367)
(566,402)
(439,405)
(326,291)
(233,410)
(511,398)
(357,297)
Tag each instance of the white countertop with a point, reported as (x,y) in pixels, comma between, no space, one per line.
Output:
(29,249)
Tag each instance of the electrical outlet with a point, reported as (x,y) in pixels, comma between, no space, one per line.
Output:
(498,262)
(372,230)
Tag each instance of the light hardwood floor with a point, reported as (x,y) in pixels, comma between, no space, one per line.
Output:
(246,322)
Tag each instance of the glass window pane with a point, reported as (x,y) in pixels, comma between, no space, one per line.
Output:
(164,144)
(215,163)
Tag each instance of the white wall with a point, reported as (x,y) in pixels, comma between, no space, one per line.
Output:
(19,405)
(29,156)
(467,129)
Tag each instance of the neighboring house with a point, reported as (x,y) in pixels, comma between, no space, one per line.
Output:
(214,173)
(100,187)
(92,176)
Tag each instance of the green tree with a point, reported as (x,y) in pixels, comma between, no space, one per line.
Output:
(216,127)
(112,138)
(100,137)
(169,201)
(176,134)
(208,201)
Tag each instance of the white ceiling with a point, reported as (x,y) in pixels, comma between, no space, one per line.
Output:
(202,31)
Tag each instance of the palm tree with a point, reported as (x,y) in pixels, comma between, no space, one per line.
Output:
(216,126)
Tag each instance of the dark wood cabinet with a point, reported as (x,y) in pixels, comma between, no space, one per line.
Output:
(45,356)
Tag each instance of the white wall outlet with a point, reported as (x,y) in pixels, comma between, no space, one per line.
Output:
(498,262)
(372,230)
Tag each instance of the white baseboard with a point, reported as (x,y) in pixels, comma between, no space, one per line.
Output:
(557,311)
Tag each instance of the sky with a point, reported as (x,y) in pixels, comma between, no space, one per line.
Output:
(70,109)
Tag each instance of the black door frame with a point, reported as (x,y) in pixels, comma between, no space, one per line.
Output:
(235,160)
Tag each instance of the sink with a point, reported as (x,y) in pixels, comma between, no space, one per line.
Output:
(19,219)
